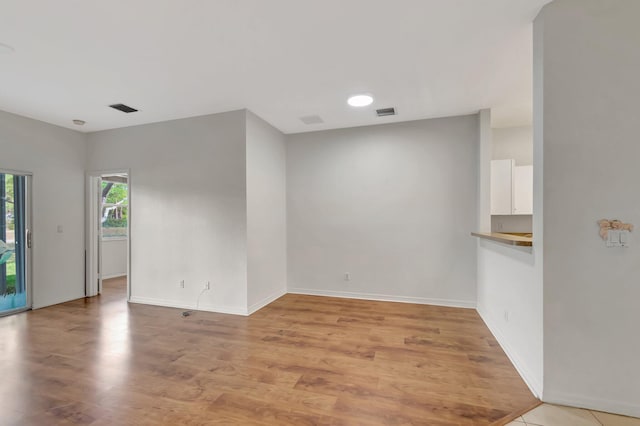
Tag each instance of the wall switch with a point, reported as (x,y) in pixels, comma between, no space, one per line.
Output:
(347,276)
(60,229)
(207,286)
(613,238)
(181,283)
(625,238)
(506,316)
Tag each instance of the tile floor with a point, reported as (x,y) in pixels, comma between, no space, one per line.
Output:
(557,415)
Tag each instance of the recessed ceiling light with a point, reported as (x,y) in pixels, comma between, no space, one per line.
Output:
(5,48)
(360,100)
(79,122)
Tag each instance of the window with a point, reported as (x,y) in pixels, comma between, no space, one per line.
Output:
(114,209)
(13,247)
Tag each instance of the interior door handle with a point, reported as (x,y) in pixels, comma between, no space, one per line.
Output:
(28,238)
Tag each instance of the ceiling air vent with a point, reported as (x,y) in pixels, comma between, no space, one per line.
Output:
(123,108)
(385,111)
(312,119)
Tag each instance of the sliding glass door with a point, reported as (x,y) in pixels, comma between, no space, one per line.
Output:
(14,243)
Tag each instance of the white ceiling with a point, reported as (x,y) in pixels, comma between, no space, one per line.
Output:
(282,59)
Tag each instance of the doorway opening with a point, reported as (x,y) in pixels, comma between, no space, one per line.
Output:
(108,251)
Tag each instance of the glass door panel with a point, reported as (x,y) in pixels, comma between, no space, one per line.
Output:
(13,244)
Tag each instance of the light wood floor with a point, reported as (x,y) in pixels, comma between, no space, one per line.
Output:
(302,360)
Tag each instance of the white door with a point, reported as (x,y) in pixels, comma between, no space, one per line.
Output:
(94,236)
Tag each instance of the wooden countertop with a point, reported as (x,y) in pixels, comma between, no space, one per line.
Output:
(514,239)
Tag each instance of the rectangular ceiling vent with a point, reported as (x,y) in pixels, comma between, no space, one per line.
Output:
(123,108)
(312,119)
(385,111)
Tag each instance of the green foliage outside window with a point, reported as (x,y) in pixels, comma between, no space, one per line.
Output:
(9,199)
(114,210)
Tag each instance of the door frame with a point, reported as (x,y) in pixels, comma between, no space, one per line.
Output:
(28,224)
(92,241)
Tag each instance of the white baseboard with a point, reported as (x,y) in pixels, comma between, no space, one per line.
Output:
(532,382)
(118,275)
(264,302)
(173,304)
(582,401)
(386,298)
(56,301)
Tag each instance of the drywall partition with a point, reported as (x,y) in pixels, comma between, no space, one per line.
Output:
(114,257)
(266,213)
(56,157)
(484,171)
(187,208)
(384,212)
(510,303)
(590,89)
(509,291)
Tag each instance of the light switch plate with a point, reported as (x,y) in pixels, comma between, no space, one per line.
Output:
(625,238)
(613,238)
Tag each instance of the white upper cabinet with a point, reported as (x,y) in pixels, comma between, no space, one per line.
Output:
(511,188)
(523,190)
(501,186)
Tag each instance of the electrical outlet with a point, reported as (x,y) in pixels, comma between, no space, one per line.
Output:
(207,285)
(181,283)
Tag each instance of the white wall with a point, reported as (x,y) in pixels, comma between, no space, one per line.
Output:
(512,223)
(513,142)
(392,205)
(590,91)
(187,208)
(266,213)
(56,157)
(509,292)
(114,257)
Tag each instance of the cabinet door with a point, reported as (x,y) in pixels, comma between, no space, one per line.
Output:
(523,190)
(501,186)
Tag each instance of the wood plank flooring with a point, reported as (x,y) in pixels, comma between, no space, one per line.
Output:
(302,360)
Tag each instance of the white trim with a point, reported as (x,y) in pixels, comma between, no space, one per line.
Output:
(529,378)
(264,302)
(128,172)
(15,172)
(469,304)
(116,275)
(189,306)
(107,239)
(589,403)
(28,224)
